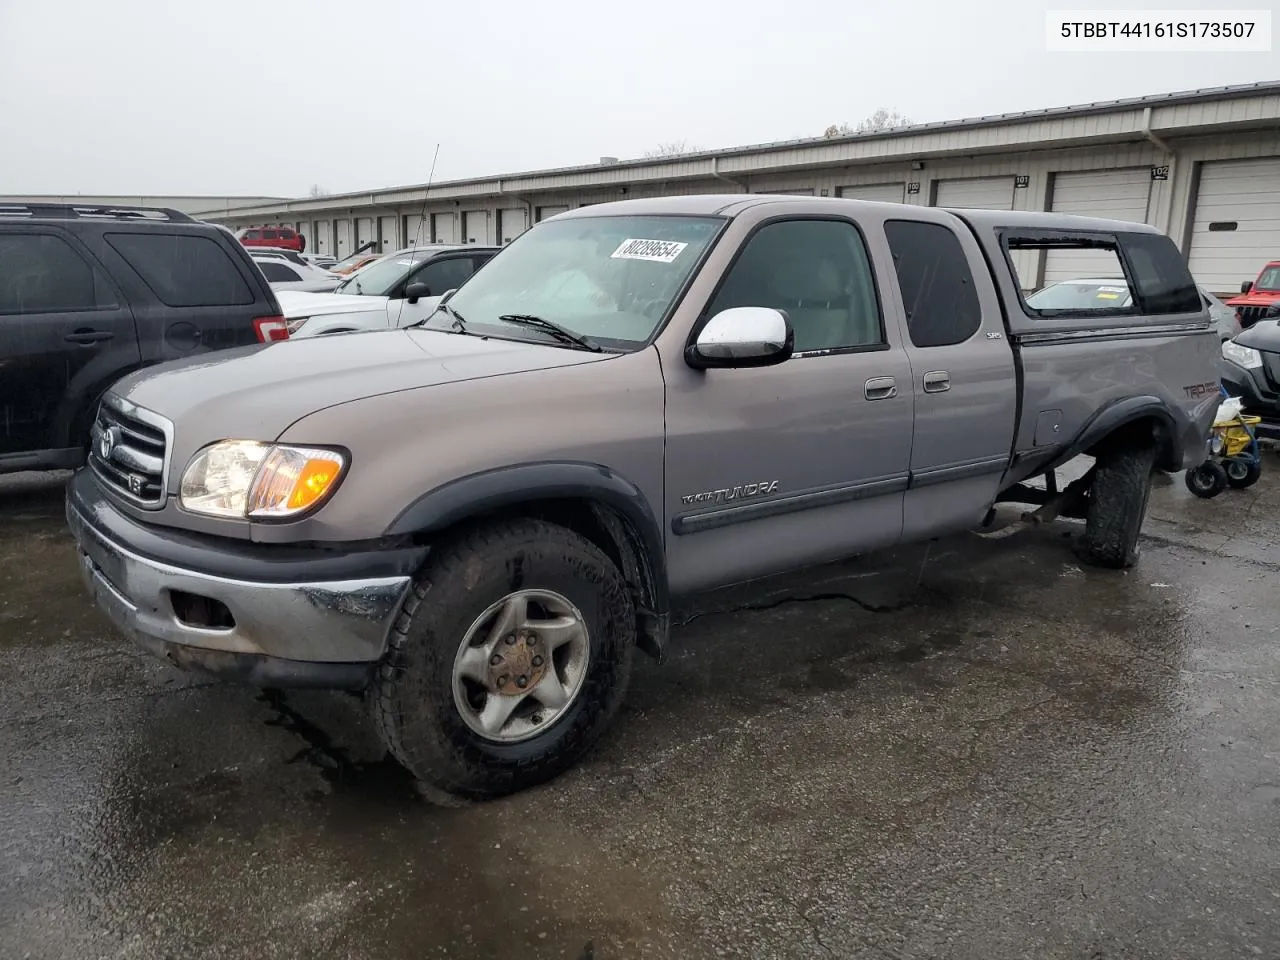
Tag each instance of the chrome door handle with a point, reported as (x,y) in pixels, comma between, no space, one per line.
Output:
(880,388)
(937,381)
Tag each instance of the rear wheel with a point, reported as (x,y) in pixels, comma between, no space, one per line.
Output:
(1243,473)
(1207,480)
(509,659)
(1117,504)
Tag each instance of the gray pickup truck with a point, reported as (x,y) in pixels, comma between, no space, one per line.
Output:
(477,520)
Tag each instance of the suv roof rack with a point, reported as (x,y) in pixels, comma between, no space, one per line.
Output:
(87,211)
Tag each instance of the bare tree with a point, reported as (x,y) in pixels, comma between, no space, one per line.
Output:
(672,149)
(318,191)
(882,119)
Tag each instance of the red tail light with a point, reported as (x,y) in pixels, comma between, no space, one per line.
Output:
(271,329)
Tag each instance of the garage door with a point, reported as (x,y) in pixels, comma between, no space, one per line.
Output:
(320,239)
(364,231)
(978,193)
(475,227)
(546,212)
(1115,194)
(413,231)
(1236,228)
(444,227)
(343,246)
(880,192)
(387,234)
(512,223)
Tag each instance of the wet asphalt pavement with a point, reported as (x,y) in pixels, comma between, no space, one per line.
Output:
(975,749)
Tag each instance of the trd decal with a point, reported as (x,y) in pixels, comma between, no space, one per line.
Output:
(1198,390)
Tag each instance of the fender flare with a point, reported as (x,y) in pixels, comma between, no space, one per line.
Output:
(1121,412)
(474,495)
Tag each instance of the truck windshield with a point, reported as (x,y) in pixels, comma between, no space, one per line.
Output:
(380,278)
(611,279)
(1081,295)
(1269,280)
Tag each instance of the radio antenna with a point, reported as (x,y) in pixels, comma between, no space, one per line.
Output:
(422,222)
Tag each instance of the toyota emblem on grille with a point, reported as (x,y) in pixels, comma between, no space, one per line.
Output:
(107,442)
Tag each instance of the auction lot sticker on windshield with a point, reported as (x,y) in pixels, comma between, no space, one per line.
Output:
(659,251)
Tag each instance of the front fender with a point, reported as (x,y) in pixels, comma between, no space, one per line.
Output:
(557,480)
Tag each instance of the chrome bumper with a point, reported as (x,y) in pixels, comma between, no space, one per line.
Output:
(342,621)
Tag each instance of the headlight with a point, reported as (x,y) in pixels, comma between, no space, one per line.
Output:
(243,478)
(1246,357)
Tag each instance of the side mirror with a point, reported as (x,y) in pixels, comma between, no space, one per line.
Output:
(1246,286)
(742,337)
(416,291)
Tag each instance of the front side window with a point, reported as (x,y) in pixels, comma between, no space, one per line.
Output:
(611,279)
(443,274)
(40,273)
(816,272)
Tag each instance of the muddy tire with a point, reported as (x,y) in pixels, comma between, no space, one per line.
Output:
(1117,506)
(451,647)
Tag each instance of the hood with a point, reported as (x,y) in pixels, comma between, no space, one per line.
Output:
(296,303)
(1263,335)
(256,392)
(1255,298)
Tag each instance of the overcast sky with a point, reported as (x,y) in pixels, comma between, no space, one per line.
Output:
(228,97)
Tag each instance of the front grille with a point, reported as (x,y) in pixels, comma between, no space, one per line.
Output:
(1250,315)
(1271,367)
(127,451)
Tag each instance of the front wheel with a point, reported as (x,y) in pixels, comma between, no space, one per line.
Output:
(510,657)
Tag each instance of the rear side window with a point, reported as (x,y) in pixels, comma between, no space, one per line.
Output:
(938,294)
(41,273)
(1162,283)
(1098,274)
(253,234)
(270,234)
(278,272)
(183,270)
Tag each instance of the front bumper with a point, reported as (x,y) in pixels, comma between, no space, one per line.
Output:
(262,629)
(1259,396)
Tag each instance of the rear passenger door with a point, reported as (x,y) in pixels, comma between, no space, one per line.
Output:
(962,376)
(65,331)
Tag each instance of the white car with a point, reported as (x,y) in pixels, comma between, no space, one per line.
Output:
(282,275)
(396,291)
(1099,293)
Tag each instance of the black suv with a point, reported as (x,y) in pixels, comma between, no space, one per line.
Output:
(88,294)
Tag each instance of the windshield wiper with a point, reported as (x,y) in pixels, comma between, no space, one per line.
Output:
(557,331)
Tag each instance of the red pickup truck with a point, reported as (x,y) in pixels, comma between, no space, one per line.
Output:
(281,237)
(1257,296)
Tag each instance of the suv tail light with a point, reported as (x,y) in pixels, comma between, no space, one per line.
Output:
(271,329)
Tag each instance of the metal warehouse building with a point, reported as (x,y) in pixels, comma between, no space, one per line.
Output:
(1203,166)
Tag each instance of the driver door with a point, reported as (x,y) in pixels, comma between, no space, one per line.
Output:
(770,468)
